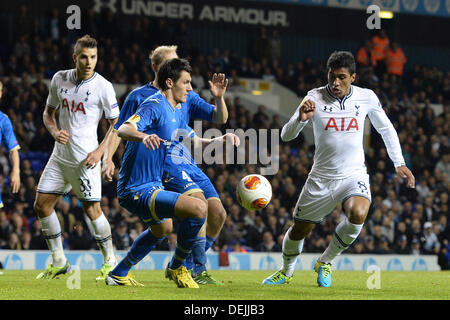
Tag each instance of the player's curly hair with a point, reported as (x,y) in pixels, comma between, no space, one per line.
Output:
(171,69)
(342,59)
(85,41)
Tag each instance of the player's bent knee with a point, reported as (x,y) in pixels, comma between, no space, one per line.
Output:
(198,210)
(188,207)
(37,206)
(216,218)
(358,215)
(300,230)
(357,209)
(200,196)
(201,209)
(92,209)
(217,213)
(162,230)
(43,205)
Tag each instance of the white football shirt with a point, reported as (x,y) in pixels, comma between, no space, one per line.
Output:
(338,126)
(81,106)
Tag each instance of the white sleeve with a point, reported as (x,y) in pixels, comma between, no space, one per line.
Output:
(52,98)
(293,127)
(109,101)
(384,127)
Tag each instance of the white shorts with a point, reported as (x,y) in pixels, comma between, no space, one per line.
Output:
(58,178)
(320,196)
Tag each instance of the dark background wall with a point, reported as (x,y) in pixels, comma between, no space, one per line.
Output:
(312,31)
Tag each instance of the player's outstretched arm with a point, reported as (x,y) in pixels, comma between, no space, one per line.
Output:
(218,86)
(298,121)
(15,172)
(61,136)
(226,138)
(385,128)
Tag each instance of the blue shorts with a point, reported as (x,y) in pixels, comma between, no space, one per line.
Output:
(152,204)
(187,179)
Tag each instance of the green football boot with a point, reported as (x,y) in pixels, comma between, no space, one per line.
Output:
(51,272)
(277,278)
(106,268)
(205,278)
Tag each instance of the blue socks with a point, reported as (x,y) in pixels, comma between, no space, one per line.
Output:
(187,236)
(187,242)
(189,262)
(196,260)
(142,246)
(209,242)
(199,255)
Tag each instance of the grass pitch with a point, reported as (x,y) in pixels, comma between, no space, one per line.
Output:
(238,285)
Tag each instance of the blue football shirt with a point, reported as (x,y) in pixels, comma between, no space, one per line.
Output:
(143,168)
(132,102)
(194,108)
(7,136)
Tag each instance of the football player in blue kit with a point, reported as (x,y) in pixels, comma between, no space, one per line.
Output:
(149,134)
(9,140)
(185,177)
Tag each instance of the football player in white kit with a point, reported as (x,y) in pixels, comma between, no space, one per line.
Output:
(337,112)
(82,96)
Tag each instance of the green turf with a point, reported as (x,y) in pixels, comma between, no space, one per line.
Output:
(239,285)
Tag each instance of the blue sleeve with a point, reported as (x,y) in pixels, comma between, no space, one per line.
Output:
(199,108)
(9,139)
(128,109)
(147,117)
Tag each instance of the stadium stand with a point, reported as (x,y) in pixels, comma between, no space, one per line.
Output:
(400,220)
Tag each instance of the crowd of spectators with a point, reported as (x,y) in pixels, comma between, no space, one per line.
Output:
(400,221)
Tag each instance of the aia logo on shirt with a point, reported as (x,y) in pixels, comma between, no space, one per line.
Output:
(73,107)
(342,124)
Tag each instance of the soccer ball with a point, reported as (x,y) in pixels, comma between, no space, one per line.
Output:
(254,192)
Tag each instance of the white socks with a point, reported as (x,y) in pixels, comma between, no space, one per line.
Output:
(51,229)
(346,232)
(102,234)
(291,249)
